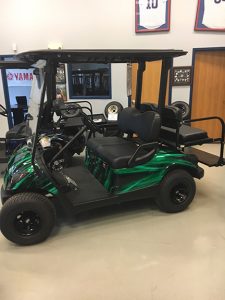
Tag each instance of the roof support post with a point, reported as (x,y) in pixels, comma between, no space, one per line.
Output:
(141,69)
(50,90)
(51,80)
(166,65)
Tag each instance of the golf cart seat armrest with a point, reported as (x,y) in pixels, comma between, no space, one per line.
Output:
(204,119)
(207,119)
(137,160)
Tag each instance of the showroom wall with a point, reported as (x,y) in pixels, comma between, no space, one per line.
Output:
(99,24)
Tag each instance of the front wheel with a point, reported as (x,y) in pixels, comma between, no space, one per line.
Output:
(177,191)
(27,218)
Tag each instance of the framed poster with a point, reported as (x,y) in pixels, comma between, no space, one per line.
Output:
(210,15)
(89,81)
(61,83)
(181,76)
(152,15)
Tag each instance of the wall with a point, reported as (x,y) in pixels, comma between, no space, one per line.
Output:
(3,120)
(99,24)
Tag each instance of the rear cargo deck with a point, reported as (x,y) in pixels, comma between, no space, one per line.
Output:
(206,158)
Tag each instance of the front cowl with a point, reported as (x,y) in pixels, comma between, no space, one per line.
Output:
(21,176)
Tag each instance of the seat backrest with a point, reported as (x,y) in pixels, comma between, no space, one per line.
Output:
(148,106)
(171,116)
(21,101)
(146,125)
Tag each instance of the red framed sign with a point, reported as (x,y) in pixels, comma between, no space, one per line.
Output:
(210,15)
(152,15)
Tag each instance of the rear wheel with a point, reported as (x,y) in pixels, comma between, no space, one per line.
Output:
(27,218)
(177,191)
(113,107)
(184,107)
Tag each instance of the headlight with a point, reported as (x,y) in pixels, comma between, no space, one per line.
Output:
(16,179)
(45,142)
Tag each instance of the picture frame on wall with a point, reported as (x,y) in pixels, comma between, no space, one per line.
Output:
(181,76)
(210,15)
(152,15)
(61,92)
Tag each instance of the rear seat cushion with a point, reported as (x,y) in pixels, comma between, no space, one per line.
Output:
(186,134)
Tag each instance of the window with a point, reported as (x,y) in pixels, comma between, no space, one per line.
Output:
(89,81)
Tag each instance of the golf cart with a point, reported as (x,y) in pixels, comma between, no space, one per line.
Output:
(59,131)
(153,158)
(16,136)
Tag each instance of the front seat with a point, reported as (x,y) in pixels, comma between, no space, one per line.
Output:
(124,152)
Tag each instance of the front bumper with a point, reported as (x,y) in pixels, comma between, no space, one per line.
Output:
(5,195)
(200,173)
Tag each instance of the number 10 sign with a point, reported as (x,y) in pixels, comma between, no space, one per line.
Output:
(152,15)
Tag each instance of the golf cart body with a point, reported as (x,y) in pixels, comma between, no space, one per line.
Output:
(151,158)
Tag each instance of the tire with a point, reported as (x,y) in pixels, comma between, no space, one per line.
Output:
(113,107)
(27,218)
(177,191)
(185,108)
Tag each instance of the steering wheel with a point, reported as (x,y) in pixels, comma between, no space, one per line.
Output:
(70,110)
(3,111)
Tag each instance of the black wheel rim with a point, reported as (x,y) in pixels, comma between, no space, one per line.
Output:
(27,223)
(179,194)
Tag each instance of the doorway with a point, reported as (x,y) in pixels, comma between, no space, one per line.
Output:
(17,86)
(207,96)
(151,83)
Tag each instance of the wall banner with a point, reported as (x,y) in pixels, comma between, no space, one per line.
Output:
(152,15)
(19,77)
(210,15)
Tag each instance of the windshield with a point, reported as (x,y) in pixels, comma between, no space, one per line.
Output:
(35,98)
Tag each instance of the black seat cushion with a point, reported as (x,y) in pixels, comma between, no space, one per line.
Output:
(117,156)
(95,143)
(117,151)
(19,131)
(186,134)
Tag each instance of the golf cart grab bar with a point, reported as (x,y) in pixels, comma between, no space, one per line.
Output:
(221,139)
(135,160)
(78,108)
(210,118)
(84,101)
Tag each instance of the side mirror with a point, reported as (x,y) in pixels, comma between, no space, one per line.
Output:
(29,117)
(3,111)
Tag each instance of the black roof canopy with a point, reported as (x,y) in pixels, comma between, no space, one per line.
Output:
(14,64)
(27,59)
(99,56)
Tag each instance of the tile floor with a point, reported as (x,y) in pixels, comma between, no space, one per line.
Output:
(129,252)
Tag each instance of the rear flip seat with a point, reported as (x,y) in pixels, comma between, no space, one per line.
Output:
(171,121)
(186,134)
